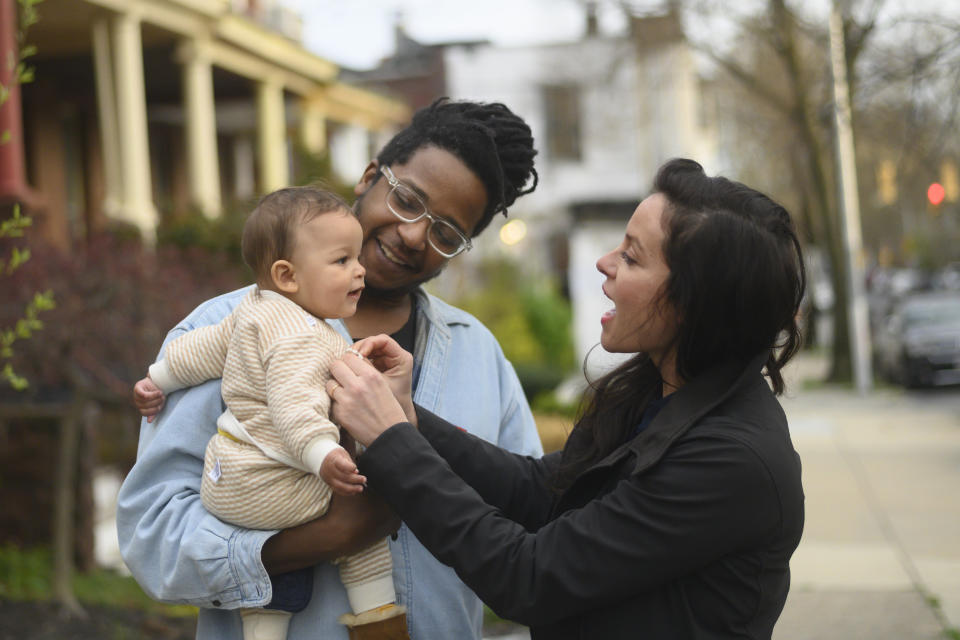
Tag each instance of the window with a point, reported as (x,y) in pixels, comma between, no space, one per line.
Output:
(562,106)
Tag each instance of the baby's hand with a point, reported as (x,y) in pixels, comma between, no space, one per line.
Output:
(340,472)
(148,398)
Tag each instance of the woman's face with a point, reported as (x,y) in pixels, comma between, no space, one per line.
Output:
(636,274)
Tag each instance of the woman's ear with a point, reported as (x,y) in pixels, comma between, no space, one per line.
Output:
(284,276)
(367,179)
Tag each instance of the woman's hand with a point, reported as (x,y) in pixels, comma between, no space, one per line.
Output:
(395,364)
(363,402)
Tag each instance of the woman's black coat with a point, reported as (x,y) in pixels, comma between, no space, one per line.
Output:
(686,531)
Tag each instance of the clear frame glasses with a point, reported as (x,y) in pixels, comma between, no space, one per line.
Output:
(403,202)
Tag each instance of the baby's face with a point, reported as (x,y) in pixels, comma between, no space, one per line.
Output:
(325,256)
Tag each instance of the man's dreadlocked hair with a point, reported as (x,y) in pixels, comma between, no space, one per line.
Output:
(491,140)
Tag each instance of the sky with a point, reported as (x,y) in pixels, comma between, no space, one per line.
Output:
(359,33)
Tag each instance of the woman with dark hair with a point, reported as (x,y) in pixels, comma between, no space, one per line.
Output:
(676,503)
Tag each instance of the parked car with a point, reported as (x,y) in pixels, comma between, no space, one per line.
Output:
(919,342)
(948,277)
(888,285)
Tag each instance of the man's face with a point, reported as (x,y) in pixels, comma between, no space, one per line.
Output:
(396,254)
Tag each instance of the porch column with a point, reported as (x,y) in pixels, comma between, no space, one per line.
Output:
(107,112)
(134,154)
(271,137)
(313,127)
(203,168)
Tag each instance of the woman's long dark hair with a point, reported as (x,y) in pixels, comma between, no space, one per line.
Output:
(736,281)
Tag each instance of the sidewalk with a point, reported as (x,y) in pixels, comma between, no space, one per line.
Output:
(880,554)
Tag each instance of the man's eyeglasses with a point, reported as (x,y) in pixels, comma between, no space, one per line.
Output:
(403,202)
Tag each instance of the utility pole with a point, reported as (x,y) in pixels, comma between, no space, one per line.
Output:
(850,208)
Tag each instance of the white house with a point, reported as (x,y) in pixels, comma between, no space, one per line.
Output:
(606,112)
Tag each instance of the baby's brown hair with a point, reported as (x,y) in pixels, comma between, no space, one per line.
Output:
(268,234)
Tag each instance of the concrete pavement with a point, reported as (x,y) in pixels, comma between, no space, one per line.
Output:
(880,554)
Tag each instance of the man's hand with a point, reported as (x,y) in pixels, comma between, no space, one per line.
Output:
(148,398)
(351,524)
(340,473)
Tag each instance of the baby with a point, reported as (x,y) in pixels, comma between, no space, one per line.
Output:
(276,455)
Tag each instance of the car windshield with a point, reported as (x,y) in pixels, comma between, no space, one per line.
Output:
(921,312)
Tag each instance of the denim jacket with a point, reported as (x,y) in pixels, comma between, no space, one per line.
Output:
(179,553)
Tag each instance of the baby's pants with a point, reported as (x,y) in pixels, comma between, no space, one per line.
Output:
(243,486)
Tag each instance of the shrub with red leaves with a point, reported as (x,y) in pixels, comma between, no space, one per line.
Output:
(115,301)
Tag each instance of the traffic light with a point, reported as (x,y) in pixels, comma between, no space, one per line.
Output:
(935,194)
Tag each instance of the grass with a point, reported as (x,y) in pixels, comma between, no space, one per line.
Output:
(107,588)
(951,633)
(25,574)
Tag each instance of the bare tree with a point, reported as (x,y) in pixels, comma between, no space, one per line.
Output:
(909,116)
(773,64)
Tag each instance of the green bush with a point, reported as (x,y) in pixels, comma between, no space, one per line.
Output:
(550,317)
(532,322)
(538,379)
(546,403)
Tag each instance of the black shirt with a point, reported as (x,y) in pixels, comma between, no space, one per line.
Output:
(406,336)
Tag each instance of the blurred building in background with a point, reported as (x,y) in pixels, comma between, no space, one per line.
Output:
(141,112)
(606,112)
(142,108)
(415,72)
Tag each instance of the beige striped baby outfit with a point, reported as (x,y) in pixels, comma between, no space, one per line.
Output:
(261,470)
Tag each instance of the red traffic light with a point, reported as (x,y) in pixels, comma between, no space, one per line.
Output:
(935,193)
